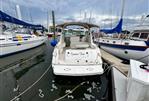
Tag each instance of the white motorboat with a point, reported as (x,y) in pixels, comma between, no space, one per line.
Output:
(76,54)
(13,41)
(135,47)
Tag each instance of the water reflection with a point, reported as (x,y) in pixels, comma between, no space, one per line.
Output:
(19,58)
(24,67)
(14,67)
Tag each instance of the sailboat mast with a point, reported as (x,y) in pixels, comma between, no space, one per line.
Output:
(123,6)
(53,19)
(1,5)
(31,19)
(18,12)
(1,30)
(48,14)
(85,16)
(1,23)
(112,17)
(90,17)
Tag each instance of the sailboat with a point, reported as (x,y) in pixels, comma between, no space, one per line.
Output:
(20,38)
(135,46)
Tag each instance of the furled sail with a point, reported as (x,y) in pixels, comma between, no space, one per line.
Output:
(7,18)
(117,29)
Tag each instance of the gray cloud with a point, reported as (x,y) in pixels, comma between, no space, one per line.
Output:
(74,10)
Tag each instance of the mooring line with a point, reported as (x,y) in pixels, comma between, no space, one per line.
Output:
(32,84)
(82,83)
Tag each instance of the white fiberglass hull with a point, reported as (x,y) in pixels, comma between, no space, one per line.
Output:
(127,54)
(14,47)
(74,70)
(126,49)
(76,62)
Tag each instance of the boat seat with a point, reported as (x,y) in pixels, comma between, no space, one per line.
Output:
(61,48)
(76,43)
(67,41)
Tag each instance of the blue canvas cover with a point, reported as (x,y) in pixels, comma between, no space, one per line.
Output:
(117,29)
(7,18)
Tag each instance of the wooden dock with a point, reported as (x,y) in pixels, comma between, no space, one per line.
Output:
(119,76)
(116,62)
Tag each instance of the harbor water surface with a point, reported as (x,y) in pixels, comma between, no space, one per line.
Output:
(27,76)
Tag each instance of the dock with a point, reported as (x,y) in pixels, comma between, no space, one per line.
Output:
(119,76)
(116,62)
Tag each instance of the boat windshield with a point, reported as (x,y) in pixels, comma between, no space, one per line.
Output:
(74,32)
(18,31)
(9,30)
(22,31)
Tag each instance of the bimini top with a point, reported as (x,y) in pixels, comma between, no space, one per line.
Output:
(83,24)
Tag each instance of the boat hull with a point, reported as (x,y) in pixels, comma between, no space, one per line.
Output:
(12,48)
(137,50)
(74,70)
(77,62)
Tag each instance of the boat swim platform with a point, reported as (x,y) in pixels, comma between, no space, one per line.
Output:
(116,62)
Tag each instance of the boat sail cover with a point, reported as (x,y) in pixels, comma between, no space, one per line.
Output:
(7,18)
(117,29)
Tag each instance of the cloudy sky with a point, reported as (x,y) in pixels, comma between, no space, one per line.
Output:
(98,11)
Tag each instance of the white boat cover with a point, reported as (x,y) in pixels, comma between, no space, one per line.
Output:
(138,83)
